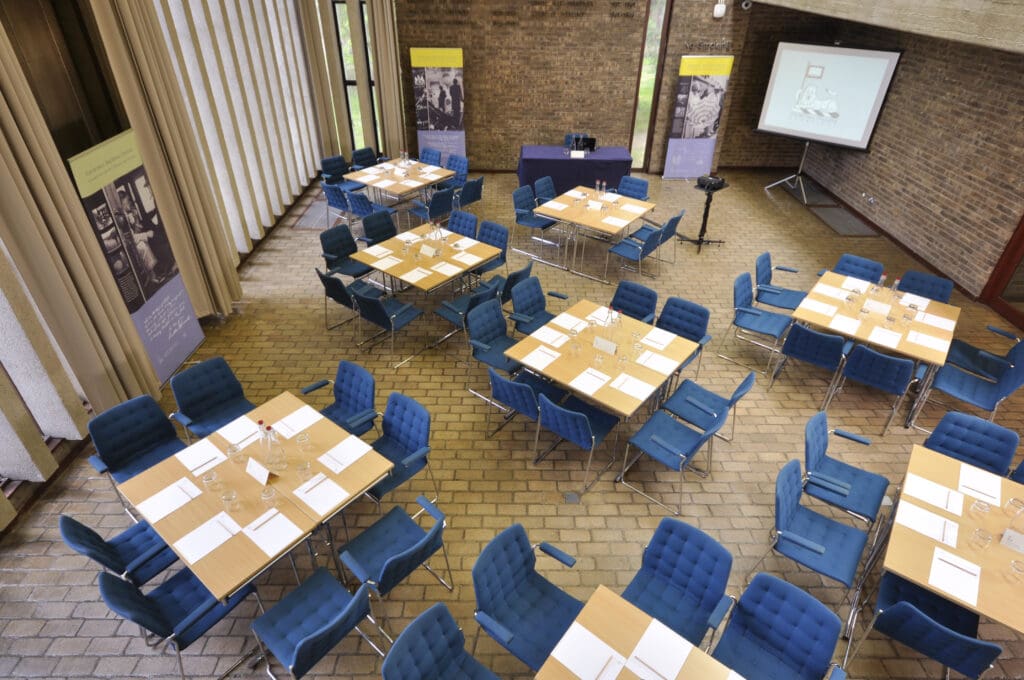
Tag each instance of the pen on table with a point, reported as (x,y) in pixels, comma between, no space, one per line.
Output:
(272,515)
(957,566)
(649,667)
(979,491)
(205,462)
(319,481)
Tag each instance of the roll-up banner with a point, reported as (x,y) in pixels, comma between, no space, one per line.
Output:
(115,191)
(698,109)
(439,90)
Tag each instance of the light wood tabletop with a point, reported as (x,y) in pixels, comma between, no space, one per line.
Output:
(622,628)
(607,213)
(554,353)
(400,177)
(951,521)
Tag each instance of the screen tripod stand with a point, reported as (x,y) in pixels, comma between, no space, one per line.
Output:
(701,239)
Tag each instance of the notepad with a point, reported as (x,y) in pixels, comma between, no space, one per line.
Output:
(344,454)
(207,537)
(385,166)
(817,307)
(589,381)
(615,221)
(829,291)
(297,421)
(915,301)
(877,307)
(635,209)
(200,457)
(550,336)
(844,324)
(407,237)
(586,655)
(272,532)
(241,431)
(658,338)
(575,194)
(933,493)
(569,322)
(377,251)
(169,499)
(660,650)
(955,576)
(447,268)
(557,206)
(322,494)
(465,242)
(593,205)
(929,341)
(935,321)
(926,522)
(856,285)
(540,357)
(429,168)
(634,387)
(388,262)
(430,176)
(414,275)
(411,183)
(980,484)
(609,197)
(384,183)
(884,337)
(657,362)
(468,259)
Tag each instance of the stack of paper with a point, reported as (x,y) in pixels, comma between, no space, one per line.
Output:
(658,339)
(272,532)
(207,537)
(576,194)
(430,176)
(539,358)
(609,197)
(200,457)
(586,655)
(634,387)
(877,307)
(465,242)
(408,237)
(593,205)
(550,336)
(817,307)
(955,576)
(414,275)
(855,285)
(926,522)
(915,301)
(656,362)
(384,183)
(166,501)
(344,454)
(601,316)
(589,381)
(411,183)
(241,431)
(321,494)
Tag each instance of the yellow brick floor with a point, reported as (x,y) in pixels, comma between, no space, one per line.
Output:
(54,624)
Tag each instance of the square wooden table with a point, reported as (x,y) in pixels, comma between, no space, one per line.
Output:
(633,646)
(403,257)
(234,563)
(554,353)
(947,503)
(400,178)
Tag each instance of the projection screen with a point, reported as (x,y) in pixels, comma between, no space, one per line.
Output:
(826,94)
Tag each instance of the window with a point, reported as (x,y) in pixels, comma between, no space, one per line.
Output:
(648,78)
(358,72)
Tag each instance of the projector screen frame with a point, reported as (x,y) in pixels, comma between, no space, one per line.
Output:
(897,52)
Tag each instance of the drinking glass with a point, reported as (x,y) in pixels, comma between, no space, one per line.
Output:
(1017,570)
(1013,506)
(980,539)
(302,468)
(305,446)
(235,454)
(979,509)
(229,497)
(211,482)
(269,497)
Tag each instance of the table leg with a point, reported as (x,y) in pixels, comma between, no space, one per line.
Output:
(922,396)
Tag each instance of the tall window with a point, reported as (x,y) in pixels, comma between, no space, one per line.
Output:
(648,77)
(358,71)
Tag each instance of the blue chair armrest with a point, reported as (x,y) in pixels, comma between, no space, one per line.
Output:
(748,310)
(704,341)
(493,628)
(357,167)
(837,673)
(518,316)
(181,418)
(419,204)
(769,287)
(720,610)
(830,483)
(802,542)
(357,569)
(98,464)
(821,271)
(702,407)
(783,268)
(195,615)
(852,437)
(431,509)
(401,310)
(312,387)
(361,417)
(649,318)
(328,256)
(482,346)
(667,445)
(556,294)
(415,456)
(560,555)
(449,306)
(1005,333)
(143,558)
(363,239)
(520,211)
(995,358)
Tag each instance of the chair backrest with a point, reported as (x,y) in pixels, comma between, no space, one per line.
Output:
(741,390)
(460,166)
(483,293)
(472,191)
(544,188)
(513,279)
(634,299)
(364,157)
(881,371)
(523,198)
(354,387)
(358,204)
(378,226)
(372,309)
(651,242)
(127,601)
(317,644)
(494,234)
(336,197)
(668,230)
(859,267)
(125,431)
(742,291)
(486,322)
(763,269)
(334,165)
(406,422)
(824,350)
(926,285)
(1013,377)
(974,440)
(633,187)
(528,297)
(788,490)
(399,565)
(427,648)
(572,426)
(791,626)
(336,289)
(519,397)
(430,156)
(815,441)
(502,566)
(337,241)
(87,542)
(684,318)
(440,203)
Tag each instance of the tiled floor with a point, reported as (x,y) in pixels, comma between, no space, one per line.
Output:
(54,625)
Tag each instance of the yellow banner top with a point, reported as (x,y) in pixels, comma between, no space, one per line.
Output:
(100,165)
(436,57)
(705,66)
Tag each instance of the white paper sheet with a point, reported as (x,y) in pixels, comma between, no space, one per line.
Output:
(465,242)
(929,341)
(387,263)
(549,336)
(635,209)
(257,471)
(557,206)
(660,650)
(297,421)
(916,301)
(935,321)
(322,494)
(589,381)
(408,237)
(885,337)
(955,576)
(856,285)
(576,194)
(980,484)
(926,522)
(200,457)
(657,362)
(615,221)
(600,316)
(586,655)
(272,532)
(877,307)
(344,454)
(241,431)
(844,324)
(933,493)
(733,675)
(167,500)
(447,269)
(377,251)
(431,176)
(414,275)
(373,170)
(569,322)
(384,183)
(830,291)
(634,387)
(364,178)
(468,259)
(658,338)
(593,205)
(428,168)
(411,183)
(385,166)
(207,537)
(817,307)
(539,358)
(609,197)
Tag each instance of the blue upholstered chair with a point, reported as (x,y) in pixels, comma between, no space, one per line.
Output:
(858,267)
(544,189)
(688,320)
(462,223)
(432,647)
(377,227)
(926,285)
(178,612)
(508,283)
(817,348)
(496,235)
(354,390)
(430,156)
(700,406)
(336,203)
(981,362)
(393,547)
(308,622)
(975,441)
(333,167)
(778,632)
(131,437)
(529,309)
(849,488)
(471,192)
(137,554)
(437,210)
(634,251)
(519,395)
(635,300)
(365,158)
(208,396)
(389,314)
(335,289)
(932,625)
(488,336)
(455,311)
(633,187)
(523,202)
(757,326)
(362,207)
(889,374)
(523,611)
(460,166)
(338,246)
(682,579)
(579,423)
(979,392)
(405,441)
(667,230)
(769,294)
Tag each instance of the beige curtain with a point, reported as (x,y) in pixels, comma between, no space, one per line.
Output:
(50,241)
(384,41)
(324,110)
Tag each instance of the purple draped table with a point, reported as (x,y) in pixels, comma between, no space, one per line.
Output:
(609,163)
